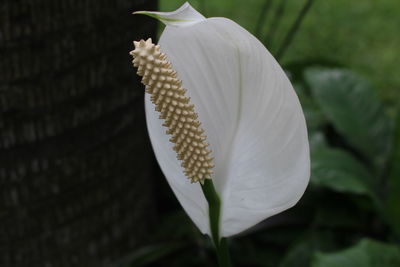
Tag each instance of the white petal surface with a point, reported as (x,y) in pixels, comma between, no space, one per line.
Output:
(269,167)
(251,116)
(184,16)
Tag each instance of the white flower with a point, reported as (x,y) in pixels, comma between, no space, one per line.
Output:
(250,114)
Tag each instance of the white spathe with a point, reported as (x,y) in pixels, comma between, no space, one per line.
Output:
(251,116)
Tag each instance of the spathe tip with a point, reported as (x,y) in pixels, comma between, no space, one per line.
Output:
(139,12)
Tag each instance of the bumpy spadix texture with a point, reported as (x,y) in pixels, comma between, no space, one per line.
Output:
(170,100)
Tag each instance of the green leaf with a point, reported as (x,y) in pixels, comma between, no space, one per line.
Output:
(316,140)
(312,113)
(297,68)
(367,253)
(353,108)
(393,190)
(333,215)
(339,171)
(301,252)
(299,255)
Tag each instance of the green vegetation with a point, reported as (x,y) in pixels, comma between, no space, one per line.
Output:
(362,35)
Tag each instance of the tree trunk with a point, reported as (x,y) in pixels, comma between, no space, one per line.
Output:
(75,161)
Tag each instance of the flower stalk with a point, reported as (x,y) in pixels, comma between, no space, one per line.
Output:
(214,211)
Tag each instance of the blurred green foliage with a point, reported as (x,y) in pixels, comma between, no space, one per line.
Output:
(350,214)
(362,35)
(366,253)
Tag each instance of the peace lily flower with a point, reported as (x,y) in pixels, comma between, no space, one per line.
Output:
(231,115)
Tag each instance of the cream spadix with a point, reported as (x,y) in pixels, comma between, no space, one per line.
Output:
(250,114)
(170,100)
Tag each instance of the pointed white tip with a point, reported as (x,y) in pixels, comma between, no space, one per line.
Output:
(184,16)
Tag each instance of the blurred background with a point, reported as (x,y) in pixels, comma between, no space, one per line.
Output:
(79,185)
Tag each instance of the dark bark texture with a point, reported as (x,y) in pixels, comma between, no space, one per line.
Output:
(75,161)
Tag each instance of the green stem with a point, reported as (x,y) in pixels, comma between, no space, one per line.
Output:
(214,208)
(224,257)
(261,19)
(276,22)
(293,29)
